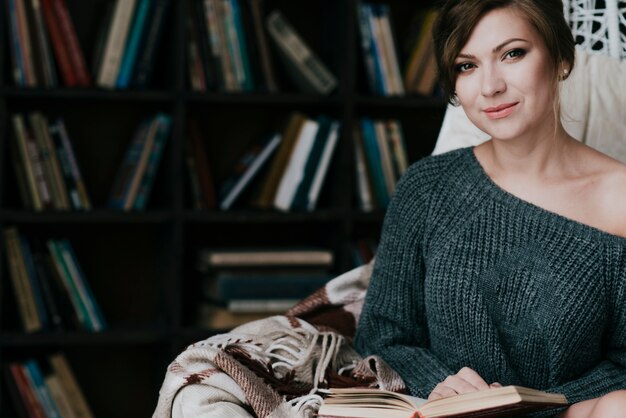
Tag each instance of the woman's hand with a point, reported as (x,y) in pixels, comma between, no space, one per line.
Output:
(465,381)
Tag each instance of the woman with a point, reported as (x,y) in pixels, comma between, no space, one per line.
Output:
(506,263)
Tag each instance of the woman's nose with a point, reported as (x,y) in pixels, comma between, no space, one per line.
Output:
(492,83)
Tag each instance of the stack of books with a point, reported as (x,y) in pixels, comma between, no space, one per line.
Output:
(42,37)
(245,284)
(381,159)
(128,42)
(46,388)
(47,172)
(51,290)
(135,177)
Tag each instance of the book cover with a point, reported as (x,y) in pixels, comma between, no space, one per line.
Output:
(506,401)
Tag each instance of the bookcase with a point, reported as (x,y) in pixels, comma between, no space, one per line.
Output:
(141,265)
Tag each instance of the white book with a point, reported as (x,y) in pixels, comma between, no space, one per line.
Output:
(322,167)
(294,171)
(261,305)
(116,42)
(258,162)
(390,52)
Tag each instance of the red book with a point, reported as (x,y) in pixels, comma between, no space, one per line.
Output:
(68,33)
(30,401)
(61,53)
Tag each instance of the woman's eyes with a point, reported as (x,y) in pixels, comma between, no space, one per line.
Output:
(515,53)
(463,67)
(511,55)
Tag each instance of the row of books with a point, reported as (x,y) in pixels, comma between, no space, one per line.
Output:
(129,42)
(228,49)
(245,284)
(46,388)
(294,164)
(51,289)
(47,172)
(42,37)
(135,177)
(381,159)
(382,60)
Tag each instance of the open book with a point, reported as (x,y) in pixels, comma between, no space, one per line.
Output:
(499,402)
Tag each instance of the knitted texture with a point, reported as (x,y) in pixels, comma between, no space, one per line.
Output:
(467,274)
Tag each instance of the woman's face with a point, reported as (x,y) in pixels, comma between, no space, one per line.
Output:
(504,78)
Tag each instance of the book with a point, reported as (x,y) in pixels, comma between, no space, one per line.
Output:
(246,169)
(116,41)
(306,69)
(199,155)
(265,257)
(497,402)
(70,386)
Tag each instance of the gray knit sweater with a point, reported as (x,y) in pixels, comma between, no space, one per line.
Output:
(467,274)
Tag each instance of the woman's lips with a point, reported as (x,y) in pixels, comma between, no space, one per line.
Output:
(500,111)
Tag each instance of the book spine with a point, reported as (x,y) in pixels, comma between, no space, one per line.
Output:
(218,23)
(140,167)
(70,286)
(307,63)
(94,313)
(41,390)
(31,273)
(17,59)
(366,48)
(78,178)
(197,56)
(54,314)
(390,49)
(267,64)
(256,162)
(66,168)
(38,170)
(322,169)
(242,57)
(60,398)
(26,391)
(25,43)
(137,29)
(294,171)
(59,48)
(377,46)
(57,173)
(372,153)
(363,186)
(116,40)
(62,369)
(20,176)
(205,177)
(68,32)
(154,159)
(38,128)
(48,69)
(23,293)
(385,157)
(150,44)
(19,128)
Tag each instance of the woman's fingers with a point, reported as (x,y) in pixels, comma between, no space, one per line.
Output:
(470,376)
(441,391)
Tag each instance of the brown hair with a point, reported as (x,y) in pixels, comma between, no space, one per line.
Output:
(457,19)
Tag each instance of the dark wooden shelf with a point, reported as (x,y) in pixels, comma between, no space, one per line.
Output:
(86,217)
(258,216)
(265,99)
(88,94)
(414,102)
(113,337)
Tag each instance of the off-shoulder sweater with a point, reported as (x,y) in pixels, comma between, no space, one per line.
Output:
(467,274)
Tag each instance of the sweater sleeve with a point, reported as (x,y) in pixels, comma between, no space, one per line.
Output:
(393,323)
(610,374)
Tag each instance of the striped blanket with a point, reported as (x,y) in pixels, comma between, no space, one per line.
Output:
(279,366)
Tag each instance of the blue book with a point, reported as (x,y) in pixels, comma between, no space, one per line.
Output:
(149,45)
(147,181)
(376,52)
(19,73)
(243,49)
(366,47)
(34,282)
(35,376)
(127,168)
(94,312)
(138,28)
(373,157)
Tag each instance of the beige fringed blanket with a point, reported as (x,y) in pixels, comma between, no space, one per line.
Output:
(280,366)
